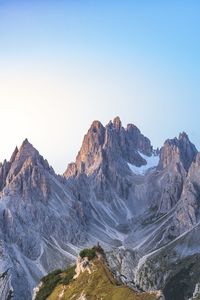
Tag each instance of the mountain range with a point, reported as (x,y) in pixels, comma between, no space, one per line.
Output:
(141,204)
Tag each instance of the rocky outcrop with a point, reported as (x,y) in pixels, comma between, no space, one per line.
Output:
(25,171)
(82,265)
(110,143)
(178,151)
(176,158)
(90,155)
(196,293)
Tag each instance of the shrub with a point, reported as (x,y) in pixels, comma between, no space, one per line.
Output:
(69,274)
(51,275)
(50,281)
(90,253)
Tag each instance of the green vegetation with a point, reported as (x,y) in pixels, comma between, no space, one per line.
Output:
(90,253)
(68,275)
(100,284)
(50,281)
(51,276)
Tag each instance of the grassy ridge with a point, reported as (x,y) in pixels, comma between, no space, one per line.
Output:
(98,285)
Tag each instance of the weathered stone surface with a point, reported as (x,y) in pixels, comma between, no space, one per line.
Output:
(45,219)
(112,142)
(38,221)
(82,265)
(178,151)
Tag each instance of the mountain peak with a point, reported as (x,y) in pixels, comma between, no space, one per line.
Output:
(25,163)
(14,154)
(26,150)
(117,123)
(109,144)
(25,142)
(90,152)
(178,150)
(96,126)
(183,136)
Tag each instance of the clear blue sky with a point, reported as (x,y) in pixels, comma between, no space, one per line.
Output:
(65,63)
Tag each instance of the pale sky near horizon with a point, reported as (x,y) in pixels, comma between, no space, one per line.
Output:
(64,64)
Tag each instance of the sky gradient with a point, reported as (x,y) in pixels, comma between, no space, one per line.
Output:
(64,64)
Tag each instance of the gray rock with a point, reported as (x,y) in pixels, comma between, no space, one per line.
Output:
(147,221)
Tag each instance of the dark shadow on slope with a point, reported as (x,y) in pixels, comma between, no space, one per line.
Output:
(181,286)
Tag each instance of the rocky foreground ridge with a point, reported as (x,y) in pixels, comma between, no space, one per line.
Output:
(89,279)
(141,204)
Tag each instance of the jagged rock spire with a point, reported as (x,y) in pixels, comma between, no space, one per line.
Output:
(117,123)
(26,159)
(178,150)
(14,155)
(109,144)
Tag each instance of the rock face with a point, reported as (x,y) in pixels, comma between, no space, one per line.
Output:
(141,204)
(196,293)
(112,142)
(82,265)
(39,219)
(178,151)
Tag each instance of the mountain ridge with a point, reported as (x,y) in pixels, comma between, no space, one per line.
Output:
(89,278)
(47,218)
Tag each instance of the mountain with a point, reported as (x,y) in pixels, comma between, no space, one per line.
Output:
(140,203)
(39,220)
